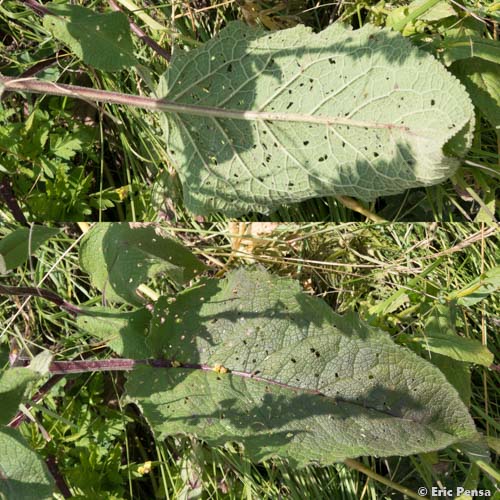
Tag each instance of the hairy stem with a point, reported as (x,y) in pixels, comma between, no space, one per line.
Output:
(37,86)
(28,291)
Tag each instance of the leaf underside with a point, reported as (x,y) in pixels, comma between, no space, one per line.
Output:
(401,104)
(304,383)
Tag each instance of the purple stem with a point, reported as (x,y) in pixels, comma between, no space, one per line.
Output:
(124,364)
(20,416)
(10,200)
(36,7)
(58,478)
(44,294)
(142,35)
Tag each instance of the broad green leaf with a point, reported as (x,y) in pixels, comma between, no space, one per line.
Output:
(456,372)
(100,40)
(41,362)
(440,337)
(481,80)
(454,49)
(411,13)
(124,332)
(296,115)
(18,245)
(120,257)
(459,348)
(14,381)
(439,11)
(405,18)
(479,289)
(23,475)
(302,382)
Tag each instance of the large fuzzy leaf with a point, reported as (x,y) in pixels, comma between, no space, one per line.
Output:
(268,366)
(120,257)
(360,113)
(18,245)
(23,475)
(124,332)
(100,40)
(14,382)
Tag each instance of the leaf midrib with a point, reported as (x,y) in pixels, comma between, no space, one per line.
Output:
(251,376)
